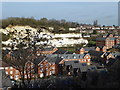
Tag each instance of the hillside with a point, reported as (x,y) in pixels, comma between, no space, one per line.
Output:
(16,34)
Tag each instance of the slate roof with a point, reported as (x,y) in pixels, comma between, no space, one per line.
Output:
(55,59)
(104,38)
(111,61)
(72,56)
(116,54)
(4,64)
(101,38)
(89,48)
(95,53)
(82,66)
(116,35)
(70,62)
(47,49)
(60,51)
(5,52)
(6,82)
(39,59)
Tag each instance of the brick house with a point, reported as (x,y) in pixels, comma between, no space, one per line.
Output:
(82,58)
(47,66)
(48,50)
(41,66)
(108,40)
(87,49)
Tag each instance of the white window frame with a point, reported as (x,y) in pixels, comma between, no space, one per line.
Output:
(11,72)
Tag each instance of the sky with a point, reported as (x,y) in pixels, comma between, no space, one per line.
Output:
(82,12)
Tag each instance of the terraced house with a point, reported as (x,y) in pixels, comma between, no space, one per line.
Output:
(47,65)
(81,58)
(108,40)
(87,49)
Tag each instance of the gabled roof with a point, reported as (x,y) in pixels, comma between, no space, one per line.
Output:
(72,56)
(6,82)
(55,59)
(101,38)
(104,38)
(116,54)
(60,51)
(82,66)
(38,60)
(47,49)
(111,62)
(95,53)
(89,48)
(66,63)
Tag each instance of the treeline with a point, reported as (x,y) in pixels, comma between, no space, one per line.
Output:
(43,22)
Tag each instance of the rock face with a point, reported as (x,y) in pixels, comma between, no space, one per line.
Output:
(57,40)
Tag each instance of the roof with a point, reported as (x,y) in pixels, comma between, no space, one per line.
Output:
(111,38)
(101,38)
(38,59)
(82,66)
(54,59)
(116,54)
(116,35)
(66,63)
(95,53)
(60,51)
(106,35)
(4,64)
(111,61)
(104,38)
(89,48)
(5,52)
(47,49)
(6,82)
(72,56)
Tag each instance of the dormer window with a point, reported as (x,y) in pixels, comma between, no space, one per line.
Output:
(74,57)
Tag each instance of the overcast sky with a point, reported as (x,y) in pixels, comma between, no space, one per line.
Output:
(83,12)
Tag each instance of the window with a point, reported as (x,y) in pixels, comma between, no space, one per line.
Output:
(41,75)
(86,56)
(16,71)
(11,67)
(74,57)
(53,67)
(46,65)
(53,72)
(46,69)
(41,65)
(88,59)
(25,76)
(6,72)
(6,67)
(47,74)
(85,60)
(92,67)
(16,77)
(11,72)
(41,69)
(11,77)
